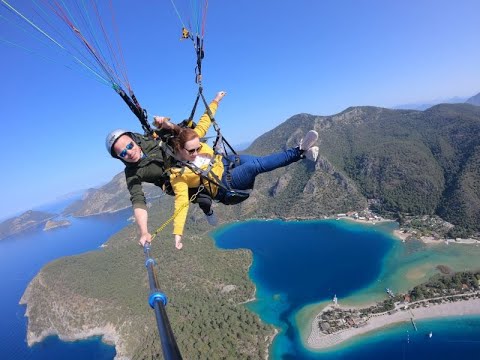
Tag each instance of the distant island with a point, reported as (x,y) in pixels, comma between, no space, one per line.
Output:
(457,294)
(28,220)
(50,224)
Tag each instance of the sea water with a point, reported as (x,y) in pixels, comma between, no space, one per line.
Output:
(21,257)
(296,264)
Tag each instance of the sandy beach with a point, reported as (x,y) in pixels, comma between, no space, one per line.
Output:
(404,235)
(318,340)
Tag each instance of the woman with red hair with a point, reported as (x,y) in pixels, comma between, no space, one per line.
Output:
(199,165)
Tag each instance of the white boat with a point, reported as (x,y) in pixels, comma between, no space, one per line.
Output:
(430,334)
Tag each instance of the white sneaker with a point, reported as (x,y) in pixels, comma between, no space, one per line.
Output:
(312,153)
(308,140)
(212,218)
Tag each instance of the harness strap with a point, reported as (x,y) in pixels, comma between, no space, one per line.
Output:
(192,114)
(139,112)
(169,156)
(215,181)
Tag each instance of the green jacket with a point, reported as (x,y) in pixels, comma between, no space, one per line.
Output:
(149,169)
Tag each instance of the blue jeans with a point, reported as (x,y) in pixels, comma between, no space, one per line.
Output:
(247,167)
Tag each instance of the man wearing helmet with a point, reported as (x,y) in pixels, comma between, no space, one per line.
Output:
(145,161)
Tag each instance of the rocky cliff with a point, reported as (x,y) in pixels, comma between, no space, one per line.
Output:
(51,224)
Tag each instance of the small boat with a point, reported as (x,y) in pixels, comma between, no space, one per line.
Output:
(430,335)
(389,292)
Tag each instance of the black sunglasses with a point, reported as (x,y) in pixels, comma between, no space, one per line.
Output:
(193,151)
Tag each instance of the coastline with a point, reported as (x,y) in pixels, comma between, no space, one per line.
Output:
(269,338)
(314,339)
(318,340)
(321,341)
(405,235)
(399,234)
(109,334)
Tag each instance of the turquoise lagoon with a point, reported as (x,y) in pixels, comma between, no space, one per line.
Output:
(299,266)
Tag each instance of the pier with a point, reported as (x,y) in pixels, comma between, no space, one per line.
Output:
(413,323)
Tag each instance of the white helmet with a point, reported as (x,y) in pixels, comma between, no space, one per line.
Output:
(112,139)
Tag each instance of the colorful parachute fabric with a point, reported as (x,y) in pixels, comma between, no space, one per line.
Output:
(79,34)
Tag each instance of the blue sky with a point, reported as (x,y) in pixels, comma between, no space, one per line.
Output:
(275,59)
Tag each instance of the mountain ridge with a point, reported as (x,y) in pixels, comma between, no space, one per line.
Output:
(474,100)
(406,162)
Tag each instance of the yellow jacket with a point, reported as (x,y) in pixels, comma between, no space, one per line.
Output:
(184,178)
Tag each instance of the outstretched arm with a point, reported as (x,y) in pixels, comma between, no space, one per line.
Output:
(205,121)
(201,129)
(163,122)
(137,197)
(141,218)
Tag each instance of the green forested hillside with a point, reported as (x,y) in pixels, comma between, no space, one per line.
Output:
(109,288)
(403,161)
